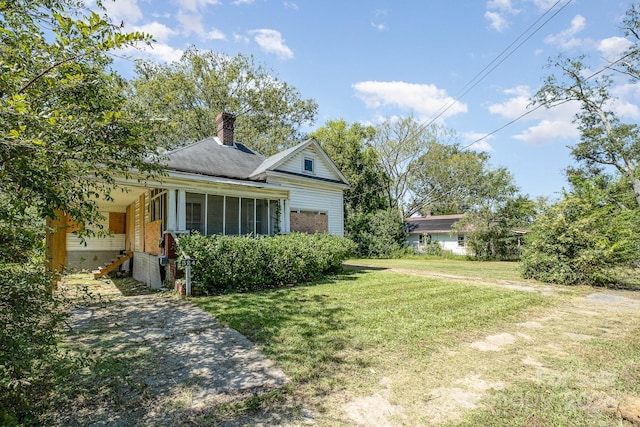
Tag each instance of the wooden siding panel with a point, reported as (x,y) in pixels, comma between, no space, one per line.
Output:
(322,168)
(130,228)
(320,200)
(141,213)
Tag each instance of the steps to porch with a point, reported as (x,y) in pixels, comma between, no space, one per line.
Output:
(101,271)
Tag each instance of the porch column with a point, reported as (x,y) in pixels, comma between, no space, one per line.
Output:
(182,210)
(285,218)
(172,210)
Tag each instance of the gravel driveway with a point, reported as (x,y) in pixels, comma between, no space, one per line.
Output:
(173,362)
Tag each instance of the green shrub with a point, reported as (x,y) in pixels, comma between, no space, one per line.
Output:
(242,264)
(30,361)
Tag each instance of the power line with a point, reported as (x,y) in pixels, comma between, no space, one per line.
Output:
(526,113)
(482,74)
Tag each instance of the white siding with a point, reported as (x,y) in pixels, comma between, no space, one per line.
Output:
(110,243)
(316,199)
(322,169)
(446,241)
(137,225)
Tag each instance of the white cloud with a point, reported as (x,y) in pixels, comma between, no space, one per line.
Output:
(473,142)
(195,5)
(376,23)
(291,5)
(271,41)
(191,23)
(613,48)
(548,130)
(123,11)
(160,32)
(239,38)
(379,27)
(566,39)
(239,2)
(423,99)
(496,20)
(157,51)
(551,124)
(501,5)
(215,34)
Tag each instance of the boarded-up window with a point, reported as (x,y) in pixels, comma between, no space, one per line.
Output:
(117,222)
(309,222)
(152,234)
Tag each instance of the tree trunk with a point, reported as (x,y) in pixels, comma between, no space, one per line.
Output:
(635,183)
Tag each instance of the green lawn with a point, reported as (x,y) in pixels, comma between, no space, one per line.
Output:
(341,334)
(484,270)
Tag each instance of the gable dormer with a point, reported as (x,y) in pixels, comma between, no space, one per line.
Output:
(306,160)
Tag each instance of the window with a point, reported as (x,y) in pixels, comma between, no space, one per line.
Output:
(308,165)
(247,210)
(215,214)
(425,239)
(262,216)
(461,240)
(231,216)
(195,212)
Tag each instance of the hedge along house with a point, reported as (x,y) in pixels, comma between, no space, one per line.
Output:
(214,186)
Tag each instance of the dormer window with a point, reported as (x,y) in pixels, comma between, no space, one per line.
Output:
(308,165)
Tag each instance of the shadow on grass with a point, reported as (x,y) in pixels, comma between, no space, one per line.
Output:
(304,328)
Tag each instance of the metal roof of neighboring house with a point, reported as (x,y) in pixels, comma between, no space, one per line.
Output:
(210,157)
(432,223)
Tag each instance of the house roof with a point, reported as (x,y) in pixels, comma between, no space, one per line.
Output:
(432,223)
(210,157)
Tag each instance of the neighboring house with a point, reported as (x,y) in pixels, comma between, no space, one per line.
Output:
(214,186)
(426,230)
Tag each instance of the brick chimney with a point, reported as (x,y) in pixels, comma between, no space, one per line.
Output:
(225,127)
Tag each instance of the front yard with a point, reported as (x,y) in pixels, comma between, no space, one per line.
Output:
(410,342)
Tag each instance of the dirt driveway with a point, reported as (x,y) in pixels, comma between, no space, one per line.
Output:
(167,361)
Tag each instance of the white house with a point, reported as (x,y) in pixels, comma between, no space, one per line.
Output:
(430,229)
(214,186)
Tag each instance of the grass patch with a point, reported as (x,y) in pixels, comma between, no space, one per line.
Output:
(343,333)
(494,270)
(586,387)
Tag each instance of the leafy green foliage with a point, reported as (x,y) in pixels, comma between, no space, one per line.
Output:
(190,93)
(496,232)
(584,238)
(242,264)
(430,172)
(31,319)
(66,128)
(380,233)
(370,221)
(606,143)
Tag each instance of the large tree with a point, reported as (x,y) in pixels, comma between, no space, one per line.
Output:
(430,172)
(65,125)
(606,142)
(189,93)
(374,224)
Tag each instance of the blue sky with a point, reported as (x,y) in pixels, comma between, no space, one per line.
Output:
(367,61)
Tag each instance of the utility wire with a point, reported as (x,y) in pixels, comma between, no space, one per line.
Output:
(482,74)
(526,113)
